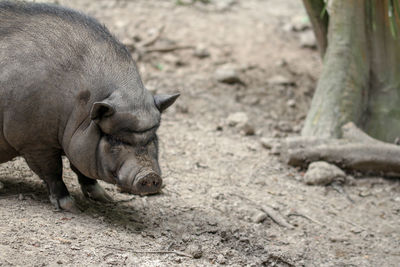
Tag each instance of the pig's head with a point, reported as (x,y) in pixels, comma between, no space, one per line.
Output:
(127,153)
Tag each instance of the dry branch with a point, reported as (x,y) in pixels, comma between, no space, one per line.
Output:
(356,151)
(270,212)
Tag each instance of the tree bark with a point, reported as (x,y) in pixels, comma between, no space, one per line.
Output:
(319,22)
(342,90)
(360,81)
(382,119)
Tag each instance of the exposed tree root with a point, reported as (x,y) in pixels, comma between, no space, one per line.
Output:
(355,151)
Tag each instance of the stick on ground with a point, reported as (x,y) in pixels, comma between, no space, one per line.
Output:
(151,251)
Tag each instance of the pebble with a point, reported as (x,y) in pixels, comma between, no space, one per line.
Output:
(1,185)
(338,239)
(284,126)
(291,103)
(276,149)
(307,39)
(195,251)
(259,217)
(237,118)
(241,121)
(322,173)
(224,5)
(247,129)
(201,51)
(267,143)
(221,259)
(186,237)
(280,80)
(227,75)
(300,23)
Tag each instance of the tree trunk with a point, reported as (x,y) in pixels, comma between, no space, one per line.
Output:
(360,81)
(341,94)
(382,119)
(319,20)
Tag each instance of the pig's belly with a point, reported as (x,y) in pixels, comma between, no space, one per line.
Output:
(7,152)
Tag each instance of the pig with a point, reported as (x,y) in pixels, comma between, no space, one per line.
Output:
(69,88)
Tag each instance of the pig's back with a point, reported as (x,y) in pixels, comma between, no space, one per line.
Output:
(47,55)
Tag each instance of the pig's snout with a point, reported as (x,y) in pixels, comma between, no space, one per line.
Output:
(147,182)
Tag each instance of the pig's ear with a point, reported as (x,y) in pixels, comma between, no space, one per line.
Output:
(164,101)
(100,110)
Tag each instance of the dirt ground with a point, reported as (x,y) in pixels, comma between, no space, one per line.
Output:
(217,178)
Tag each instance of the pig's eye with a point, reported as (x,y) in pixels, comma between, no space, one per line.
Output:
(114,141)
(151,139)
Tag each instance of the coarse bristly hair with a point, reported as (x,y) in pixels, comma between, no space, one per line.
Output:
(15,16)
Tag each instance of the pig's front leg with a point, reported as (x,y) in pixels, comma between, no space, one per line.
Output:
(48,166)
(91,188)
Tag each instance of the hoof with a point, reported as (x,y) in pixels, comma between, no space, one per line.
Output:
(96,192)
(66,203)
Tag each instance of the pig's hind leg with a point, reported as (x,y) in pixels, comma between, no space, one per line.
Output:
(91,188)
(48,166)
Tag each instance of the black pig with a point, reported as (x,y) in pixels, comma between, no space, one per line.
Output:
(68,87)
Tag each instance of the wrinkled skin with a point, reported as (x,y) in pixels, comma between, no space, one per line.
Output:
(68,87)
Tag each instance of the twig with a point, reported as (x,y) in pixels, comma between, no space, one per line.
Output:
(306,217)
(153,39)
(32,195)
(278,258)
(151,251)
(341,190)
(275,216)
(124,200)
(168,48)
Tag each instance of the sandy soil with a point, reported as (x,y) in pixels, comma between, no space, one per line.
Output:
(217,179)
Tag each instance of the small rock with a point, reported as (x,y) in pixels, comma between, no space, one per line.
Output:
(259,217)
(212,222)
(21,197)
(307,39)
(291,103)
(223,5)
(276,149)
(59,262)
(322,173)
(284,126)
(1,185)
(280,80)
(221,259)
(237,118)
(297,128)
(300,23)
(137,38)
(227,75)
(172,59)
(186,237)
(338,239)
(241,121)
(129,42)
(267,142)
(195,251)
(182,108)
(201,51)
(247,129)
(281,63)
